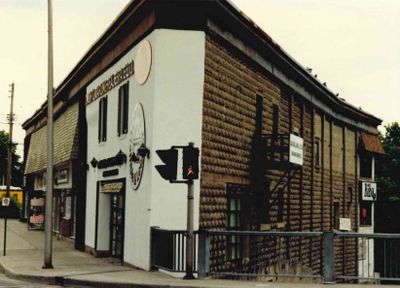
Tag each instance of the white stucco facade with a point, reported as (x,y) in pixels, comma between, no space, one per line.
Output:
(172,103)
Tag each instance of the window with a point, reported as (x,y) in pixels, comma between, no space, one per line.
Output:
(233,247)
(366,166)
(259,114)
(365,213)
(317,152)
(280,204)
(123,109)
(102,135)
(275,124)
(349,197)
(336,215)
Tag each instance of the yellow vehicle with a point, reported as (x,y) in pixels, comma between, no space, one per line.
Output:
(15,193)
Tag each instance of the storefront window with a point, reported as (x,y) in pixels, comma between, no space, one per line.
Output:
(36,210)
(365,213)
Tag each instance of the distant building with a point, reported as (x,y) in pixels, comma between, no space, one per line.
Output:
(279,151)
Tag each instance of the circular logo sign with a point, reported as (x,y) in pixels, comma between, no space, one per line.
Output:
(137,140)
(143,62)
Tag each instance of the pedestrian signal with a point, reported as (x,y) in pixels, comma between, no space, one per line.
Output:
(190,163)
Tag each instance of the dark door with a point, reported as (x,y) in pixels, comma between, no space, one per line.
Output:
(117,226)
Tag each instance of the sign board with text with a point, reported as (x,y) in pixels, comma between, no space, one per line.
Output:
(296,149)
(368,191)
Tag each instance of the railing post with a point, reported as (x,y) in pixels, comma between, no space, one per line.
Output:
(153,248)
(329,260)
(203,259)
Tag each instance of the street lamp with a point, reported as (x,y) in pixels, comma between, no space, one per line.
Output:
(48,240)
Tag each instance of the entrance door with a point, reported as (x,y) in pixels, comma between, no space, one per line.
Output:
(117,226)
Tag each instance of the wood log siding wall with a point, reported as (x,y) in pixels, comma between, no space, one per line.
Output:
(230,88)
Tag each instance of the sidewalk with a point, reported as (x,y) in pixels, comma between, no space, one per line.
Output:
(25,256)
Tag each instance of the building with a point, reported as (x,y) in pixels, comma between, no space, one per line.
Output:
(70,170)
(278,150)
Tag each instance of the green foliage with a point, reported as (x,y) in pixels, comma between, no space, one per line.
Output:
(388,179)
(17,172)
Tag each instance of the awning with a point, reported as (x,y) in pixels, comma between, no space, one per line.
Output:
(65,142)
(371,143)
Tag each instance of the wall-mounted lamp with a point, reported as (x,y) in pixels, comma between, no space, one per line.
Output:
(94,162)
(143,151)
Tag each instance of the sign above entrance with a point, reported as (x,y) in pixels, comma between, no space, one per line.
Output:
(296,149)
(111,186)
(368,191)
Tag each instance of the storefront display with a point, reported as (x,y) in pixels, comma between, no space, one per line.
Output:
(36,211)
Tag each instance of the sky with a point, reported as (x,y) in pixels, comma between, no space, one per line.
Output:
(352,45)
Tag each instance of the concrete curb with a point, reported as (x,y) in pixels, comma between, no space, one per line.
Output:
(69,280)
(28,277)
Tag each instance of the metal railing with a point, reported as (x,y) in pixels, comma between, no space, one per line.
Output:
(325,256)
(260,254)
(378,257)
(277,147)
(168,250)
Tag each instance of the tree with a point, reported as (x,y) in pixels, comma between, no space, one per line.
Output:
(17,173)
(388,180)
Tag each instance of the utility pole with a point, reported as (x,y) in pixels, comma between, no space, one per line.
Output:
(9,161)
(48,241)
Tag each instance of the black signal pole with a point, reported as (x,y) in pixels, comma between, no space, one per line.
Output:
(189,232)
(190,171)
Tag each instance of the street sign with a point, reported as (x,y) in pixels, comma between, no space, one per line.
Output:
(5,201)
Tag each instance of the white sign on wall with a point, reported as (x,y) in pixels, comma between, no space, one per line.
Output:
(296,149)
(345,224)
(368,191)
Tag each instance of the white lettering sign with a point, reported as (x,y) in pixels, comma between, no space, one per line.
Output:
(296,149)
(368,191)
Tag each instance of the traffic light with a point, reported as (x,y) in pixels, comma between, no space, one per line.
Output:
(190,163)
(170,158)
